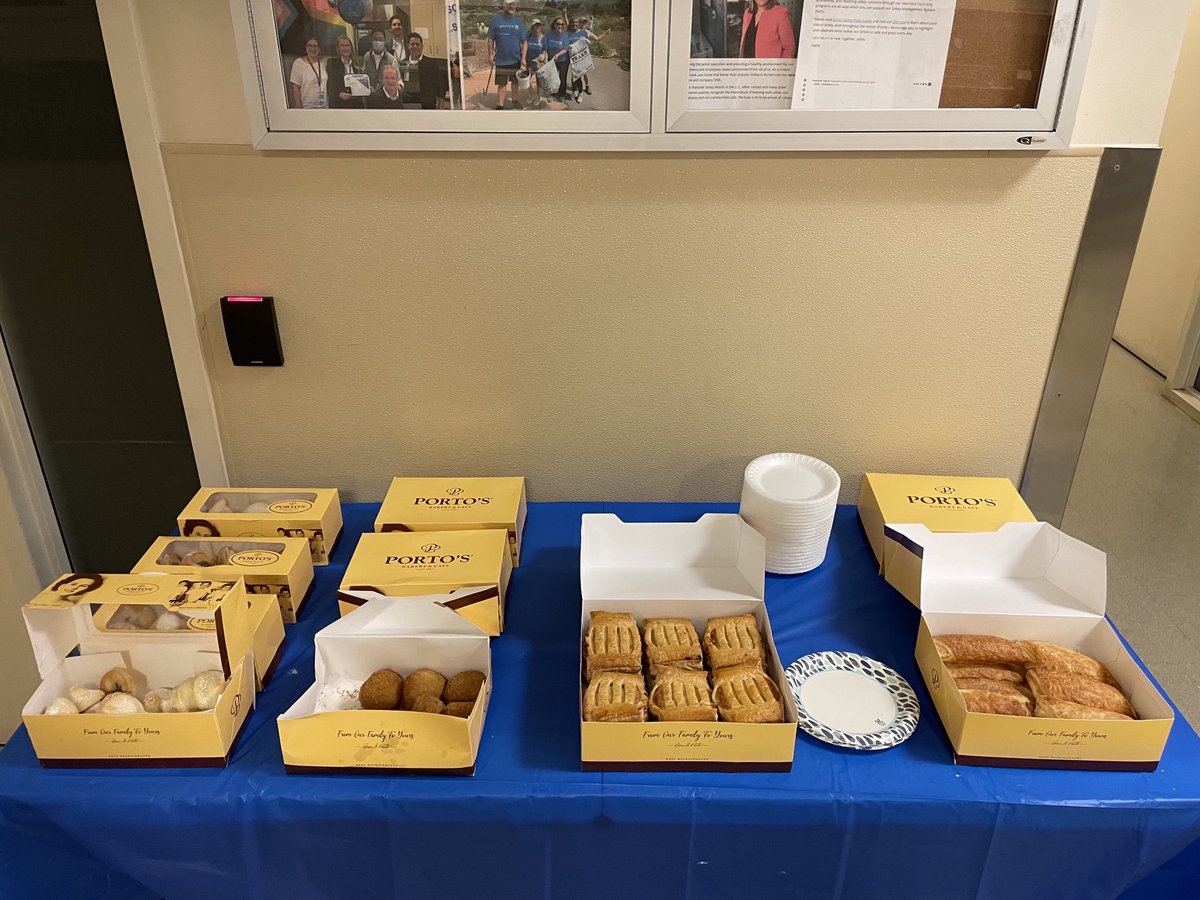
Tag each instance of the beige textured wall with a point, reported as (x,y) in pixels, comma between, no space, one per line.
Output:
(632,327)
(1164,279)
(613,326)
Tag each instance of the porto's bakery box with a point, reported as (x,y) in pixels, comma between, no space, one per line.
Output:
(280,566)
(942,503)
(413,564)
(696,570)
(1030,582)
(327,729)
(314,514)
(449,504)
(167,630)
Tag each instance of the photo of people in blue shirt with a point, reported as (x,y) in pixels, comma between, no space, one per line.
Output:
(500,55)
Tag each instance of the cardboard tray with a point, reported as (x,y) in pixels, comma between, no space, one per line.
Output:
(712,567)
(220,636)
(1030,581)
(402,635)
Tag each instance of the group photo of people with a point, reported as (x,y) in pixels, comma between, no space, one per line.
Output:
(428,54)
(745,29)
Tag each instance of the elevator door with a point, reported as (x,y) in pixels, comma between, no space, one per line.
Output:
(79,311)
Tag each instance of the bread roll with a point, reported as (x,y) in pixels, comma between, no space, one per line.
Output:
(1052,657)
(1080,689)
(979,648)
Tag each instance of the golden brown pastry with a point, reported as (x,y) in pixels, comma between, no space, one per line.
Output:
(613,644)
(463,687)
(1079,689)
(460,708)
(682,695)
(423,683)
(746,694)
(428,704)
(1053,657)
(979,648)
(1049,708)
(384,689)
(126,681)
(615,697)
(671,642)
(732,641)
(988,684)
(994,673)
(654,670)
(997,703)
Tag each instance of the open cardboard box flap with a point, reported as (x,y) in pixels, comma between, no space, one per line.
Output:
(1022,568)
(718,557)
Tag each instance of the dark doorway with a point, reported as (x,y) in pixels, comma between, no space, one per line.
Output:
(79,310)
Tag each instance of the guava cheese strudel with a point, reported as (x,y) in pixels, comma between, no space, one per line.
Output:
(613,644)
(1054,657)
(615,697)
(654,671)
(992,673)
(997,703)
(745,694)
(979,648)
(1049,708)
(670,641)
(1078,689)
(682,695)
(732,641)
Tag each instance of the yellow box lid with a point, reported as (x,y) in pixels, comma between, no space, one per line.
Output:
(451,503)
(456,558)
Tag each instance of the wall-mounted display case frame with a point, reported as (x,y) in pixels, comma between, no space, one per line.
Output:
(659,116)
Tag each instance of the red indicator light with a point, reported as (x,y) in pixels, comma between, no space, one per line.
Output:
(244,299)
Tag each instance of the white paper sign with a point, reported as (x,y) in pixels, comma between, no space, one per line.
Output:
(872,54)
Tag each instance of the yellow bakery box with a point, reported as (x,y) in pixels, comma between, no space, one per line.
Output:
(1030,581)
(83,625)
(413,564)
(712,567)
(326,730)
(314,514)
(267,626)
(942,503)
(450,504)
(281,566)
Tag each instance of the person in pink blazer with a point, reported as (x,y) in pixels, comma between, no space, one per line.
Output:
(769,28)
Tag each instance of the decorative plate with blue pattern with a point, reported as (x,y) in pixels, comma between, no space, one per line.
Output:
(853,701)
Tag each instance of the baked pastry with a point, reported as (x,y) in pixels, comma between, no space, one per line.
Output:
(993,673)
(423,683)
(384,689)
(463,687)
(987,684)
(979,648)
(615,697)
(428,704)
(997,703)
(671,642)
(1053,657)
(460,708)
(732,641)
(682,695)
(1079,689)
(613,644)
(654,671)
(745,694)
(1049,708)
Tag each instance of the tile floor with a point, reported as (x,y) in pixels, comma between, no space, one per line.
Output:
(1136,495)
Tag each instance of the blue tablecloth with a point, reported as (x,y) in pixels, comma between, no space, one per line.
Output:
(904,823)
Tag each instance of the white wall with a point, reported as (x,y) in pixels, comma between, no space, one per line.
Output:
(1163,282)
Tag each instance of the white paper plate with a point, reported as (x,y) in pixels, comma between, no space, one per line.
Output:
(793,479)
(853,701)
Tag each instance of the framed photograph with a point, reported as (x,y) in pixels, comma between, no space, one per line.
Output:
(353,67)
(873,67)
